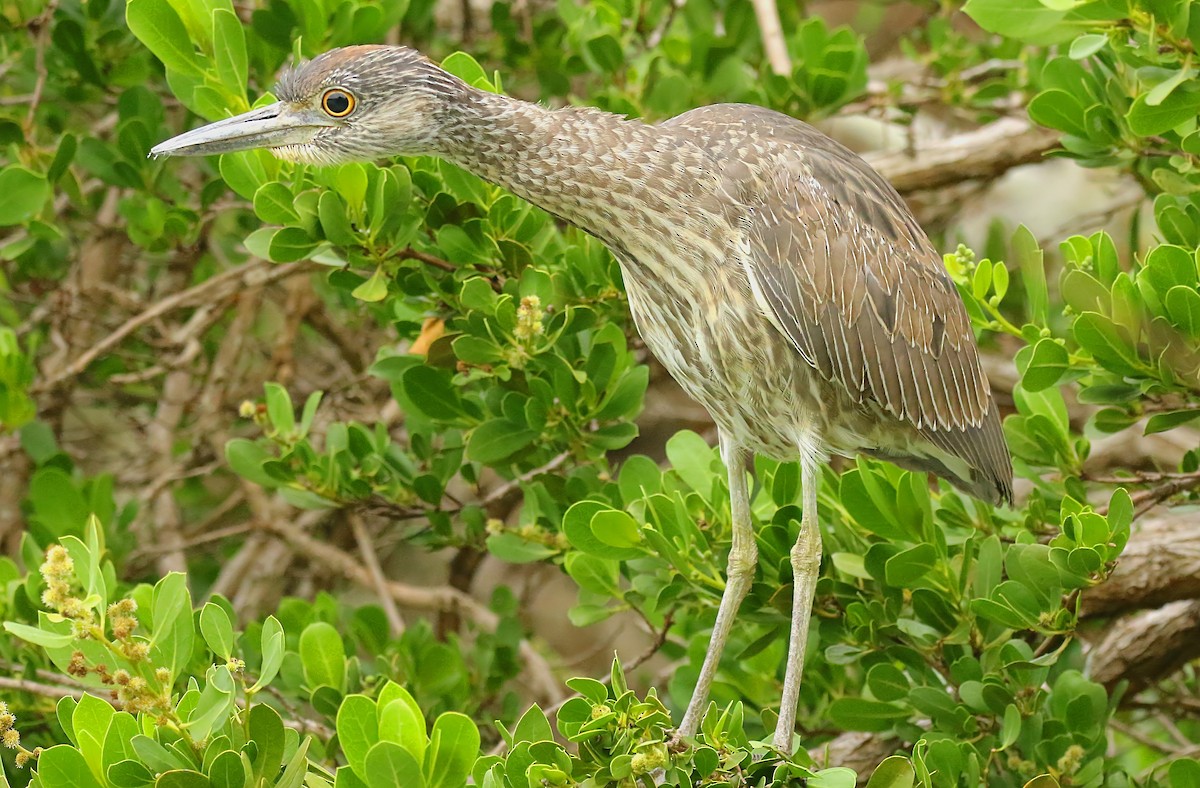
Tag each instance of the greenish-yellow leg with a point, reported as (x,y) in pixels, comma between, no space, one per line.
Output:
(743,556)
(806,565)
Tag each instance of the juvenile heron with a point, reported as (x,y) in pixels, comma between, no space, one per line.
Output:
(779,279)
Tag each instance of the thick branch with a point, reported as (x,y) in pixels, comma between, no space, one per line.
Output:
(1160,564)
(1148,646)
(983,153)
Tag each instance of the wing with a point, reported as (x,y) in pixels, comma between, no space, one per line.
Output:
(838,263)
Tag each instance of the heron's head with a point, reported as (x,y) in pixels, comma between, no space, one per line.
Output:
(350,104)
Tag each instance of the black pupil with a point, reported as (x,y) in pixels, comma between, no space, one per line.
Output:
(337,103)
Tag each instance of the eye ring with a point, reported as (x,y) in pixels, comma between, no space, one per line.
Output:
(337,102)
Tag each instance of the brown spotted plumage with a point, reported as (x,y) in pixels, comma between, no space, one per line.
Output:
(776,276)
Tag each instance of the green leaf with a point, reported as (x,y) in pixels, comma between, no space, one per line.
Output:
(577,525)
(273,203)
(533,727)
(323,656)
(496,440)
(217,630)
(389,765)
(358,731)
(599,575)
(862,714)
(1060,110)
(90,721)
(1047,366)
(38,637)
(1184,771)
(466,68)
(335,221)
(837,777)
(374,289)
(453,748)
(246,458)
(1159,93)
(215,704)
(174,631)
(908,566)
(246,172)
(1010,728)
(616,528)
(1146,119)
(229,51)
(227,771)
(296,770)
(266,731)
(158,26)
(1030,21)
(155,756)
(1161,422)
(64,766)
(128,773)
(893,772)
(22,195)
(692,459)
(1033,274)
(1107,342)
(279,409)
(118,743)
(400,722)
(1183,307)
(887,682)
(290,244)
(272,645)
(432,393)
(1087,45)
(515,549)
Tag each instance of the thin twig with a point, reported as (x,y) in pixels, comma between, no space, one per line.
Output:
(371,560)
(426,258)
(43,23)
(545,686)
(253,273)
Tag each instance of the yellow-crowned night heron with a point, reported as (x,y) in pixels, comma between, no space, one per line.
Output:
(778,278)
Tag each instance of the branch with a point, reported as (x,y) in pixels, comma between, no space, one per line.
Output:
(45,690)
(1147,646)
(772,36)
(978,154)
(439,599)
(378,580)
(1160,564)
(223,285)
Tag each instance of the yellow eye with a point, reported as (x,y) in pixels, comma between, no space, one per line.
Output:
(337,103)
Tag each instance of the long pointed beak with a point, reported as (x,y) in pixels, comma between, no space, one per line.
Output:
(271,126)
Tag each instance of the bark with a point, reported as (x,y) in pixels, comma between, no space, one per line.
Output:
(980,154)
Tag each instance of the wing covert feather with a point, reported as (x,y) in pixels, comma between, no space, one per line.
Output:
(840,266)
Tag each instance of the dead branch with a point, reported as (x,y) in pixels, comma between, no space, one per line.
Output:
(219,287)
(982,153)
(371,561)
(772,36)
(45,690)
(1160,564)
(538,672)
(1145,647)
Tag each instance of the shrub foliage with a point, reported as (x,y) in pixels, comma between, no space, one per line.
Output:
(950,635)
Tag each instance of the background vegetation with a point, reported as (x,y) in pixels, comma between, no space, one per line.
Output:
(299,465)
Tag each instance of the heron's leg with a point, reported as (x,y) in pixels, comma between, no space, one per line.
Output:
(806,565)
(743,556)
